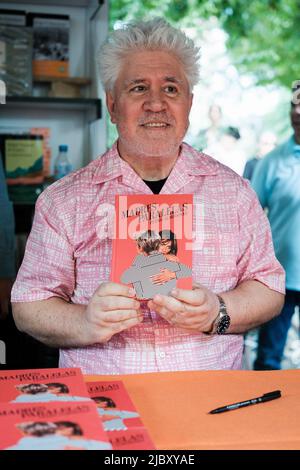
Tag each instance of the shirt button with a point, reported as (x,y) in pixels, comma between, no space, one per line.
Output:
(162,354)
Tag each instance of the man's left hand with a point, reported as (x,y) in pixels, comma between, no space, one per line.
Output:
(190,309)
(5,290)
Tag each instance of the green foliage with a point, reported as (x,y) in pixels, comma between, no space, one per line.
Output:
(263,35)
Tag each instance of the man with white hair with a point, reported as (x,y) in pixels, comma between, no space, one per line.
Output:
(63,295)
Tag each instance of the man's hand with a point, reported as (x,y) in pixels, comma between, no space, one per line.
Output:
(111,310)
(190,309)
(5,290)
(165,275)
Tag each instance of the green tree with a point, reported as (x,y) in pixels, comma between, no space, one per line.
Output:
(263,35)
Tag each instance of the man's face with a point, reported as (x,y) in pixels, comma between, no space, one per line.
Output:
(295,118)
(150,105)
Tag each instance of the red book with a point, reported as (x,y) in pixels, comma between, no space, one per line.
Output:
(119,416)
(42,385)
(152,243)
(52,426)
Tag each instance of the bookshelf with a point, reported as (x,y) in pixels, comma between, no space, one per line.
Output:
(90,106)
(77,122)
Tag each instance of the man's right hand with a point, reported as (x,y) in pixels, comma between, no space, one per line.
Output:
(112,309)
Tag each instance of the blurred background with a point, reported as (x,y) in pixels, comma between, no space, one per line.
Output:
(249,59)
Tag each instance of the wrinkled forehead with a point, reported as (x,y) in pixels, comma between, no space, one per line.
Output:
(148,65)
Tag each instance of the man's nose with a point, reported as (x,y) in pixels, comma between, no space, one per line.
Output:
(155,101)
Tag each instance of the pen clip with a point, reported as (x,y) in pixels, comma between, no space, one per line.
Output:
(275,394)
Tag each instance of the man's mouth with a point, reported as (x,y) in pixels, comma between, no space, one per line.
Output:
(155,125)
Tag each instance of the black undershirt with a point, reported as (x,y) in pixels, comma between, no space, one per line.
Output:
(155,186)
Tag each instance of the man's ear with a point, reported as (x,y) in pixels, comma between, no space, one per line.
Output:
(110,103)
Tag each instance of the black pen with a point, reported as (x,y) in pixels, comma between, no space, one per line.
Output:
(253,401)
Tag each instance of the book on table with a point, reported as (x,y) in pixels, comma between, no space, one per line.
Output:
(121,420)
(52,426)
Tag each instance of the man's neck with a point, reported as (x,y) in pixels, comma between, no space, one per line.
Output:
(150,168)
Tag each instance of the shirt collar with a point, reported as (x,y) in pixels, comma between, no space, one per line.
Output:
(108,167)
(190,163)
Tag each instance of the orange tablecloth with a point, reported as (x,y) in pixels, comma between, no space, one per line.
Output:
(174,407)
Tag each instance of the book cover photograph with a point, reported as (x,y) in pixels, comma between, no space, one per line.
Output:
(50,44)
(152,243)
(42,385)
(52,426)
(114,405)
(120,418)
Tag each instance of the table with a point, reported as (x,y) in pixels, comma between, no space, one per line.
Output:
(174,407)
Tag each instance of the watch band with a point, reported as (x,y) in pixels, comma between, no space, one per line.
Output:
(222,321)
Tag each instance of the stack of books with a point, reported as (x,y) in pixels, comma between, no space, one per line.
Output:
(55,409)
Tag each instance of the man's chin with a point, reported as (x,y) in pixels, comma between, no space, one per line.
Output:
(158,152)
(155,149)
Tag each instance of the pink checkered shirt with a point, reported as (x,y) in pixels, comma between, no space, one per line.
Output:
(65,258)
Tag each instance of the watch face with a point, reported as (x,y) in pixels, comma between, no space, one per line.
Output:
(223,324)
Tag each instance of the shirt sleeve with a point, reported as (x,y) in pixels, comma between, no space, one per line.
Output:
(48,268)
(256,258)
(7,231)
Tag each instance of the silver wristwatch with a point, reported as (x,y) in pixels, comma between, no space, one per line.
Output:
(222,322)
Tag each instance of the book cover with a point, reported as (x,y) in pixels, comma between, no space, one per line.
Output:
(42,385)
(50,44)
(51,426)
(120,418)
(152,243)
(23,158)
(114,405)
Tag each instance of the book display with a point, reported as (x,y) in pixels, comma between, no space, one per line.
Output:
(55,409)
(52,83)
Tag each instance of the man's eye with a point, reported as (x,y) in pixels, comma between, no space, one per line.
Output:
(138,88)
(170,89)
